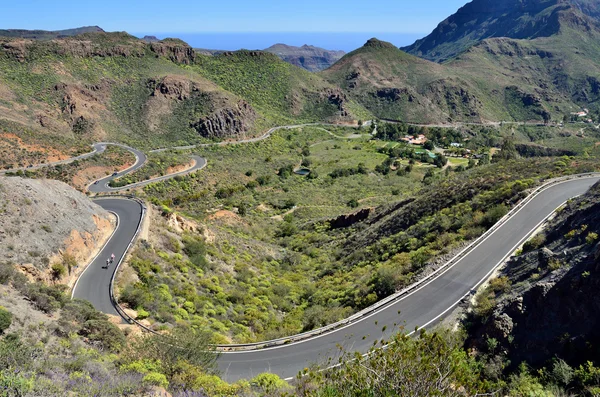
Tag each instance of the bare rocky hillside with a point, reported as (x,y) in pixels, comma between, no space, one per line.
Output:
(44,221)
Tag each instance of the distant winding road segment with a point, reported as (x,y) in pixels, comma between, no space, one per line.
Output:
(423,307)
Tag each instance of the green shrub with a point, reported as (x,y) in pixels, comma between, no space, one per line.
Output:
(195,249)
(500,284)
(591,238)
(484,304)
(5,319)
(58,271)
(409,366)
(155,379)
(269,383)
(14,383)
(142,314)
(534,243)
(102,331)
(571,234)
(69,262)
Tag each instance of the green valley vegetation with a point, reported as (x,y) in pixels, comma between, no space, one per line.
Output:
(253,251)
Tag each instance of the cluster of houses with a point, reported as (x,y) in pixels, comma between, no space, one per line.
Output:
(418,140)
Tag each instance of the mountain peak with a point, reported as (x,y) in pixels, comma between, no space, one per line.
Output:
(376,43)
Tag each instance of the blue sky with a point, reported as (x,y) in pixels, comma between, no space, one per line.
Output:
(163,18)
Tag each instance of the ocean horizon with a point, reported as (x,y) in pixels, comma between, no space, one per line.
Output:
(257,41)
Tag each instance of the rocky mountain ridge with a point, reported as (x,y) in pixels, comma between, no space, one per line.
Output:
(308,57)
(162,89)
(47,35)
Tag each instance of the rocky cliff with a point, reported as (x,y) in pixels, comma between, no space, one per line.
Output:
(97,44)
(236,120)
(216,113)
(313,59)
(548,305)
(43,221)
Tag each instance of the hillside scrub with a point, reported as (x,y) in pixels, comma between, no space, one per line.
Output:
(80,173)
(273,265)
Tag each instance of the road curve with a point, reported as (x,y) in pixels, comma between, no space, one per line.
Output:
(423,307)
(97,148)
(94,283)
(101,186)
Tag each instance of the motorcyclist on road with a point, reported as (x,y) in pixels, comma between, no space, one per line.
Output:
(107,262)
(112,258)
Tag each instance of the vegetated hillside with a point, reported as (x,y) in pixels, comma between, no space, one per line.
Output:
(47,228)
(113,86)
(277,89)
(48,35)
(544,305)
(309,57)
(396,85)
(517,19)
(543,79)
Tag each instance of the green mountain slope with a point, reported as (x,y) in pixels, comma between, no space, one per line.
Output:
(396,85)
(99,86)
(541,78)
(517,19)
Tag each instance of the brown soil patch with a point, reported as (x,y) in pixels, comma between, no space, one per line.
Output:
(84,177)
(177,168)
(181,167)
(8,143)
(224,214)
(263,208)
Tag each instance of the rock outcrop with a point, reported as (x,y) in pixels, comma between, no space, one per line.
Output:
(222,114)
(553,308)
(228,121)
(100,44)
(348,220)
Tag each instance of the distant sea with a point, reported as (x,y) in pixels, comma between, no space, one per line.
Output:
(254,41)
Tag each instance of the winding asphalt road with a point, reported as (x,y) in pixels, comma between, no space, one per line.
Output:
(101,186)
(423,307)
